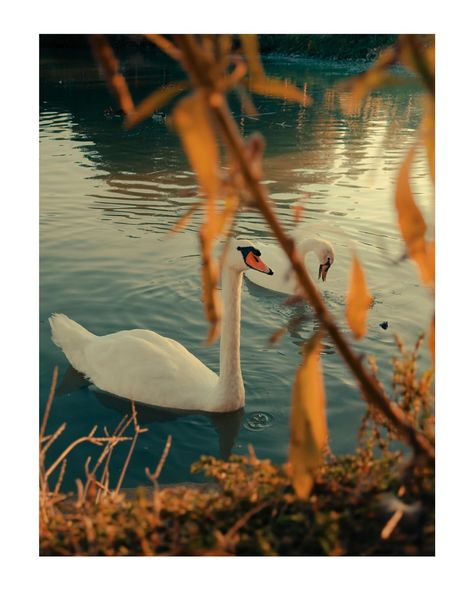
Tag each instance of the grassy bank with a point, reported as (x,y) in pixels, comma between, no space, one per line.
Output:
(359,506)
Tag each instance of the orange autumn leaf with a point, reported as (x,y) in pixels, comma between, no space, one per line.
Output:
(358,300)
(186,217)
(428,134)
(273,87)
(260,83)
(412,224)
(251,50)
(356,88)
(192,119)
(104,55)
(308,422)
(193,123)
(154,101)
(432,340)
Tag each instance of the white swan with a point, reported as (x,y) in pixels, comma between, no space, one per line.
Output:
(284,279)
(143,366)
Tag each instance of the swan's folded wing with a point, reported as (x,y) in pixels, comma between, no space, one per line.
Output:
(146,367)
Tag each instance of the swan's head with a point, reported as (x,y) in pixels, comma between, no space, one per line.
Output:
(326,256)
(324,252)
(242,255)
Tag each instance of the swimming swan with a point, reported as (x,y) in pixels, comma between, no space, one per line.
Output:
(146,367)
(284,280)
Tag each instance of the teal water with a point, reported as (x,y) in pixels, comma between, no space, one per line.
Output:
(108,199)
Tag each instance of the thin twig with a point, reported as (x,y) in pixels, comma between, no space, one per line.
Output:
(369,387)
(154,476)
(52,438)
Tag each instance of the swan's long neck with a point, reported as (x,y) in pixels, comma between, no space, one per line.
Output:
(231,385)
(308,245)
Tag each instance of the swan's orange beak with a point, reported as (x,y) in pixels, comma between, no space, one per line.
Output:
(256,263)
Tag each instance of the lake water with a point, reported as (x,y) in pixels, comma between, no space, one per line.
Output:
(108,198)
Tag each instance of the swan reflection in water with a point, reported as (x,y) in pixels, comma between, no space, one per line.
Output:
(227,424)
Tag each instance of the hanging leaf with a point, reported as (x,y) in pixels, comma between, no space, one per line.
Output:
(428,134)
(210,276)
(165,45)
(273,87)
(308,421)
(154,101)
(358,301)
(412,224)
(258,81)
(182,222)
(251,50)
(432,340)
(104,55)
(356,88)
(193,123)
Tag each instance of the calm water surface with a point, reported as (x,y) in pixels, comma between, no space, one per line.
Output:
(109,198)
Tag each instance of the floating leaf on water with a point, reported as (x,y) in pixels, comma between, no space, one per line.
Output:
(358,300)
(308,421)
(155,100)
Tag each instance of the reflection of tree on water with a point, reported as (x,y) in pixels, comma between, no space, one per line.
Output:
(147,175)
(227,425)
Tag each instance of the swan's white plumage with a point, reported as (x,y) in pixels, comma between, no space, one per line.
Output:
(148,368)
(141,365)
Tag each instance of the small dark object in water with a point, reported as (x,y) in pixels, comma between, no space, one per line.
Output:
(109,112)
(384,325)
(159,116)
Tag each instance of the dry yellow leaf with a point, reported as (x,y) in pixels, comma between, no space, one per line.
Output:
(428,134)
(358,300)
(412,224)
(432,340)
(155,100)
(273,87)
(251,50)
(182,222)
(192,119)
(308,422)
(193,123)
(260,84)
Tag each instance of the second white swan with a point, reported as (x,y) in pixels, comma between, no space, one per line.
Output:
(284,281)
(146,367)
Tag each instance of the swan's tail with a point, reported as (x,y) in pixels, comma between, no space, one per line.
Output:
(71,338)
